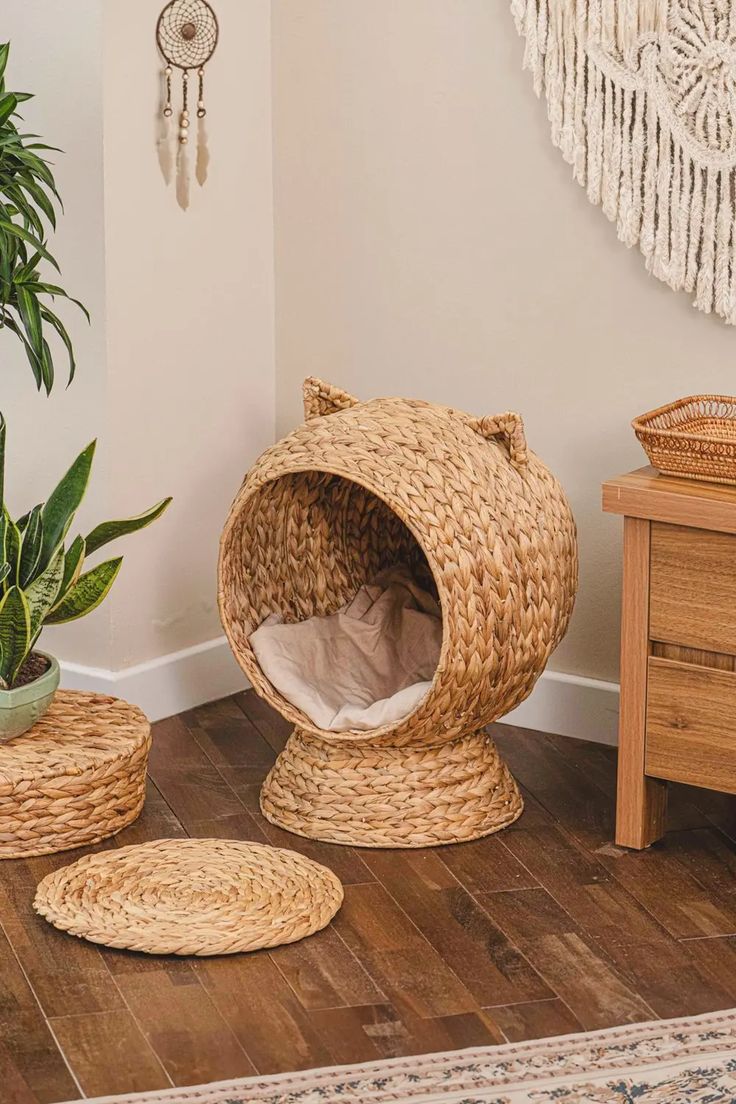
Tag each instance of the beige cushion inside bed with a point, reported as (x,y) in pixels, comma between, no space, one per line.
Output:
(368,665)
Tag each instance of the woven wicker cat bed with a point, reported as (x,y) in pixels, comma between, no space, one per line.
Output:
(481,521)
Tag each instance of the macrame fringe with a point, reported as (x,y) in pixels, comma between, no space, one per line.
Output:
(632,156)
(612,24)
(621,24)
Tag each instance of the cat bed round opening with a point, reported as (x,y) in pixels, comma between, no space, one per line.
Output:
(479,522)
(329,536)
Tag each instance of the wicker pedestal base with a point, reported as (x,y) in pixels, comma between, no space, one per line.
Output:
(391,797)
(77,777)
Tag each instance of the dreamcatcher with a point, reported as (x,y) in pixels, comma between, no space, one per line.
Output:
(187,34)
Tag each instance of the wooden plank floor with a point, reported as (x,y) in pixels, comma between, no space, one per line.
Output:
(543,929)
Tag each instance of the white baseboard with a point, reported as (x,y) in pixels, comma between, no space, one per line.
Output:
(166,685)
(569,705)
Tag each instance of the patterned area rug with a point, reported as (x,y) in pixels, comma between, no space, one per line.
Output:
(667,1062)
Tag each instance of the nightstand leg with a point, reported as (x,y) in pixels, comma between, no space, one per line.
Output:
(642,802)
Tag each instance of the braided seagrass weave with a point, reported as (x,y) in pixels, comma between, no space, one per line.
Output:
(481,523)
(191,897)
(77,777)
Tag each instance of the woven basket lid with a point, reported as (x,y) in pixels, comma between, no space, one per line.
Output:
(191,897)
(81,732)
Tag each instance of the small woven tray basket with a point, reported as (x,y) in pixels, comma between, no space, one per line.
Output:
(694,438)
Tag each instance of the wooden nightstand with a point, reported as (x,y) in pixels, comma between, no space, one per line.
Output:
(677,718)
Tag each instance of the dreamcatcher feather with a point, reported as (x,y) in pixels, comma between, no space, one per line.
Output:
(641,98)
(187,34)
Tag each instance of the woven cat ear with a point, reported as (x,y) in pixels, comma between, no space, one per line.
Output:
(510,427)
(322,398)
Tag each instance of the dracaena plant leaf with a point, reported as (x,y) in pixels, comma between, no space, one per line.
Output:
(10,324)
(53,290)
(15,633)
(13,230)
(28,199)
(111,530)
(8,106)
(48,315)
(89,591)
(40,198)
(30,314)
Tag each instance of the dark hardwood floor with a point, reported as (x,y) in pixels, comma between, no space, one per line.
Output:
(545,928)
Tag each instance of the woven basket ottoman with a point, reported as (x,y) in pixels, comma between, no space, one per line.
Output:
(479,520)
(75,778)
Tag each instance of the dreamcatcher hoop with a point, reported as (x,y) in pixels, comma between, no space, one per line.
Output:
(187,34)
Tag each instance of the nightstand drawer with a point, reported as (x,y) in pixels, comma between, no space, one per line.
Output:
(693,588)
(690,732)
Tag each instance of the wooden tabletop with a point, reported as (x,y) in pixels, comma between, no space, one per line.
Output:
(646,493)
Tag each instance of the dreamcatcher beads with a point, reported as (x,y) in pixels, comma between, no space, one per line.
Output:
(203,152)
(164,136)
(182,160)
(187,35)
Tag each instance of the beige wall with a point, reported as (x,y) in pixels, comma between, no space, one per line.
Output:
(430,242)
(56,52)
(176,374)
(189,320)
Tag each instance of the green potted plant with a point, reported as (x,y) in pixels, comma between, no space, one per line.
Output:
(43,581)
(27,196)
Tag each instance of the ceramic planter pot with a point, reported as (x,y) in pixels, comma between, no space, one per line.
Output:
(22,707)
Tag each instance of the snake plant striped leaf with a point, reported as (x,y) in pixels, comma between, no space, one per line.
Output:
(44,591)
(57,514)
(111,530)
(15,633)
(86,595)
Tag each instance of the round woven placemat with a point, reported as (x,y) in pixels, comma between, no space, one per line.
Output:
(191,897)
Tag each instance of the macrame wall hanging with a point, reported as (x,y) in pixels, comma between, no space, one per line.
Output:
(641,97)
(187,34)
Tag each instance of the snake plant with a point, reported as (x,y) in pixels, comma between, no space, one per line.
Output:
(27,211)
(42,581)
